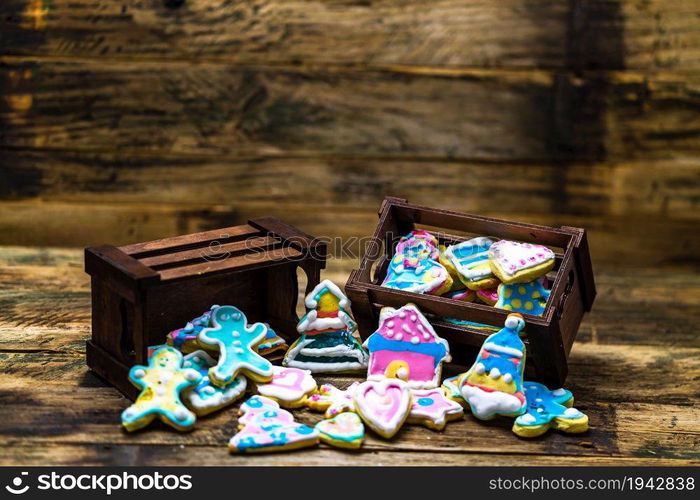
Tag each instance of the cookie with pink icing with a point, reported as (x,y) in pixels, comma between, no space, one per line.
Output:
(332,400)
(433,409)
(407,347)
(384,405)
(488,296)
(515,262)
(289,386)
(464,295)
(415,266)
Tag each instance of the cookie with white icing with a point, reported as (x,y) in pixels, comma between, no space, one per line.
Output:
(289,386)
(549,410)
(515,262)
(384,405)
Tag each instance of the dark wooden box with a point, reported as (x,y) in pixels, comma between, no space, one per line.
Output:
(141,292)
(548,337)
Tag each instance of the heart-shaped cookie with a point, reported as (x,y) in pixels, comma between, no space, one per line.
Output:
(345,430)
(289,386)
(515,262)
(384,405)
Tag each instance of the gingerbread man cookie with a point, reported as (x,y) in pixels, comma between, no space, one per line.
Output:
(235,340)
(161,383)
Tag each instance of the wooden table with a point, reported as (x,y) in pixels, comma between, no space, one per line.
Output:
(634,371)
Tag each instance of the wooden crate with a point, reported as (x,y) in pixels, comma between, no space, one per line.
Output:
(548,337)
(141,292)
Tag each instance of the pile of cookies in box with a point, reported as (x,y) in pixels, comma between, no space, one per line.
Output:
(505,274)
(216,359)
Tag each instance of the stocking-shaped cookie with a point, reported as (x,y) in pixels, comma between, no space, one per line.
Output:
(161,383)
(230,334)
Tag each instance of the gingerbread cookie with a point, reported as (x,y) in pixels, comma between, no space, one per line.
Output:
(230,334)
(433,409)
(332,400)
(384,405)
(267,428)
(514,262)
(526,298)
(345,430)
(406,346)
(161,384)
(549,410)
(327,343)
(470,259)
(206,397)
(494,384)
(289,386)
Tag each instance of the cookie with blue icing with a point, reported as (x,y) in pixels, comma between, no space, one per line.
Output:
(470,259)
(161,384)
(524,298)
(206,397)
(549,410)
(235,340)
(415,266)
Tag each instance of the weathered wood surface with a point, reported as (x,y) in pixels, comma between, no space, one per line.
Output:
(640,331)
(506,115)
(508,33)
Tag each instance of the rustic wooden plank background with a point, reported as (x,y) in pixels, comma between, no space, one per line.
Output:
(123,121)
(131,120)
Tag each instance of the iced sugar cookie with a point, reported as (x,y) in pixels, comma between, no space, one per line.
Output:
(185,339)
(452,271)
(494,384)
(289,386)
(267,428)
(230,334)
(433,409)
(161,384)
(472,324)
(488,296)
(327,343)
(332,400)
(451,388)
(527,298)
(471,261)
(514,262)
(384,405)
(206,397)
(345,430)
(406,346)
(465,295)
(549,409)
(415,266)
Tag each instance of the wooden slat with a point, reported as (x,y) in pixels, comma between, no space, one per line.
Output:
(658,34)
(241,263)
(210,252)
(475,114)
(190,239)
(670,187)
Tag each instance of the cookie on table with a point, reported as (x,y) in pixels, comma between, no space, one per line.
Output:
(433,409)
(384,405)
(549,410)
(345,430)
(206,397)
(289,386)
(162,383)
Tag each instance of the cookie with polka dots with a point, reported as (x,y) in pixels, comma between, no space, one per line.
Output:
(549,410)
(206,397)
(162,383)
(524,298)
(515,262)
(235,340)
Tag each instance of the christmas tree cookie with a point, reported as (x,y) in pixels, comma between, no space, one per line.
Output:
(494,384)
(326,343)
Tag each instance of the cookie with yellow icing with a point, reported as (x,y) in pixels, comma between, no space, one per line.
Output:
(525,298)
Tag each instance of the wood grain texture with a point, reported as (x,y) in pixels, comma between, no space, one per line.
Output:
(476,114)
(630,241)
(60,413)
(654,34)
